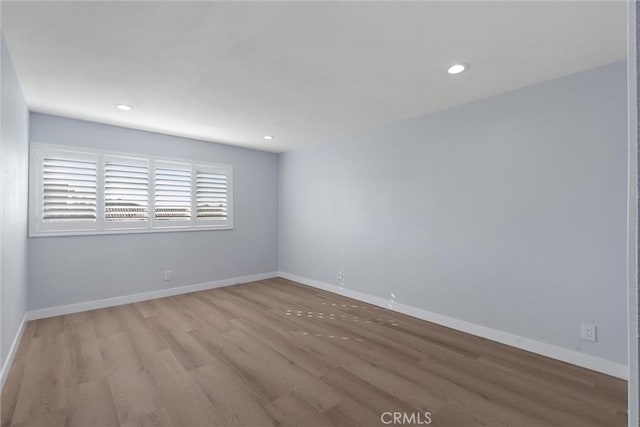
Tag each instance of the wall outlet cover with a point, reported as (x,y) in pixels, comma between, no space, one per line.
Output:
(589,332)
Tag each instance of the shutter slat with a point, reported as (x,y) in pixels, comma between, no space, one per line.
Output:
(68,190)
(69,171)
(56,209)
(175,205)
(211,191)
(174,174)
(171,194)
(70,178)
(119,168)
(140,204)
(212,197)
(208,187)
(77,164)
(126,191)
(131,180)
(64,188)
(128,187)
(66,183)
(64,217)
(175,199)
(75,195)
(118,191)
(62,203)
(204,181)
(169,183)
(128,177)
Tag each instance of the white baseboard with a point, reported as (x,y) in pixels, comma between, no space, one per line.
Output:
(555,352)
(570,356)
(12,352)
(144,296)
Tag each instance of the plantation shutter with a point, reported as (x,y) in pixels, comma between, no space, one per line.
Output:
(212,194)
(172,192)
(75,191)
(126,187)
(68,189)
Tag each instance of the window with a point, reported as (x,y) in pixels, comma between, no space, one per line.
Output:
(212,194)
(173,197)
(86,192)
(69,189)
(126,191)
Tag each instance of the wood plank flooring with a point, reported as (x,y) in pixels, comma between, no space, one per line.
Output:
(278,353)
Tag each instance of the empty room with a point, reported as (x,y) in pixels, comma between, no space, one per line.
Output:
(319,213)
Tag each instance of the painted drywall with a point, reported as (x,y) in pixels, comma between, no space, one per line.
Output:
(67,270)
(14,160)
(634,416)
(633,72)
(508,212)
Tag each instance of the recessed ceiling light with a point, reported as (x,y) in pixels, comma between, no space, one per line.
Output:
(123,107)
(457,68)
(267,137)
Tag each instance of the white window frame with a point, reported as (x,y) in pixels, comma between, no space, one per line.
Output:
(39,228)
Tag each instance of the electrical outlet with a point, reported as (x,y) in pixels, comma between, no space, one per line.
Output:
(167,275)
(589,332)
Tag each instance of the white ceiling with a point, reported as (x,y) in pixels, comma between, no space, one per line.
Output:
(304,72)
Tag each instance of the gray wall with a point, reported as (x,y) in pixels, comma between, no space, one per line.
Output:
(634,342)
(65,270)
(508,212)
(14,153)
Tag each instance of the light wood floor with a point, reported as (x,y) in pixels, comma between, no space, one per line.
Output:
(274,352)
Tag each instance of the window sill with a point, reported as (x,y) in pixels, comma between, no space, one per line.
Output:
(68,233)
